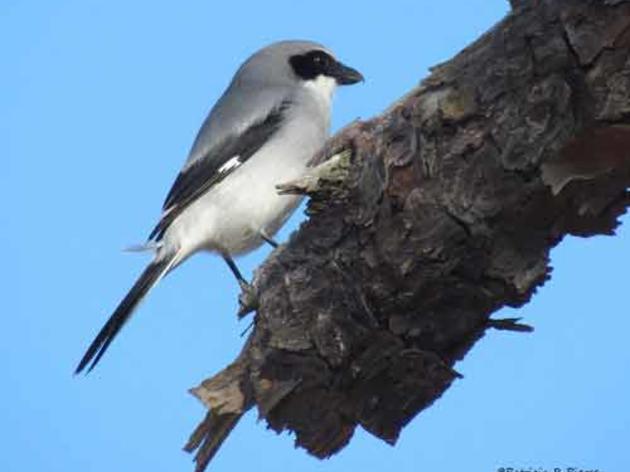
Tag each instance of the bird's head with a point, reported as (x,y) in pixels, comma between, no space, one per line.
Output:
(297,62)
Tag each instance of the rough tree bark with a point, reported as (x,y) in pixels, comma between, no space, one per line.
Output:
(442,210)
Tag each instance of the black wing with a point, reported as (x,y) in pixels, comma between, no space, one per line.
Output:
(223,159)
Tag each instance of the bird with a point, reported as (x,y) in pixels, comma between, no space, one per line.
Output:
(272,118)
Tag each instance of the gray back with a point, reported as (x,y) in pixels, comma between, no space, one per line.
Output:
(261,83)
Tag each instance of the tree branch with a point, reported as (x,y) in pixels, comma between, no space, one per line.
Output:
(444,210)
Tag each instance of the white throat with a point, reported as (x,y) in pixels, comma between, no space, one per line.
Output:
(322,87)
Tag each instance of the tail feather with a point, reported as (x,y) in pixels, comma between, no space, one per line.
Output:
(151,275)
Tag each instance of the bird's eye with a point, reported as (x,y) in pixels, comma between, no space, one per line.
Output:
(323,59)
(308,66)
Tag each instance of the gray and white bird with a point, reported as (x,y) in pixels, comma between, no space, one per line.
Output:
(273,117)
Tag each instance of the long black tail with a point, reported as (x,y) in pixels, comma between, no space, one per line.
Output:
(145,282)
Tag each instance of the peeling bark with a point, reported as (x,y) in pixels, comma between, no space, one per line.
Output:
(441,211)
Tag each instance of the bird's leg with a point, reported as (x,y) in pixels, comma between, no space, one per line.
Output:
(237,273)
(248,299)
(268,239)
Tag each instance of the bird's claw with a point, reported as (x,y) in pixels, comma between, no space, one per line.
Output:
(247,300)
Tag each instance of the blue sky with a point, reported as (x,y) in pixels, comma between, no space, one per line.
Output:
(99,103)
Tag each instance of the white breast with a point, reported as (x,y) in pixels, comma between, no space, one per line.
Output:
(322,88)
(231,216)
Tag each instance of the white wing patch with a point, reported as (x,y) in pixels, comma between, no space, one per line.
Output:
(230,165)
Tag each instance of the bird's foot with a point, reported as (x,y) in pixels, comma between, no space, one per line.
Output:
(247,300)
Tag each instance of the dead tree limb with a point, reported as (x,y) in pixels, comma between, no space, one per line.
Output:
(444,210)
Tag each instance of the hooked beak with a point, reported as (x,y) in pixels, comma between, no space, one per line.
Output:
(345,75)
